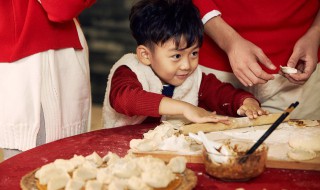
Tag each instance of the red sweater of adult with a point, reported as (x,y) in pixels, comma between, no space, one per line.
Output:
(28,27)
(128,97)
(274,26)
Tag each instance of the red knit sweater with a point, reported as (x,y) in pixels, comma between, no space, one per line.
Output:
(128,97)
(274,26)
(28,27)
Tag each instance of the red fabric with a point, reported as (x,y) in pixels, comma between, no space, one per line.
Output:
(128,97)
(221,97)
(117,140)
(272,25)
(65,10)
(28,27)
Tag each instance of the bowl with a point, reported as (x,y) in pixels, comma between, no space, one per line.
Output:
(237,166)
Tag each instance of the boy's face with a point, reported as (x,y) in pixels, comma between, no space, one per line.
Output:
(173,66)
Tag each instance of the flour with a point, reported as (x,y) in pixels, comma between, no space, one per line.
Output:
(278,141)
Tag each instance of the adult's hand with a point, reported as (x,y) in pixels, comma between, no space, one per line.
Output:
(305,54)
(245,57)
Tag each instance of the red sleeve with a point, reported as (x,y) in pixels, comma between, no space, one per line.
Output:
(128,97)
(205,6)
(65,10)
(223,98)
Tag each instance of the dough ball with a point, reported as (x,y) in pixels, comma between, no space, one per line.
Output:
(177,164)
(299,155)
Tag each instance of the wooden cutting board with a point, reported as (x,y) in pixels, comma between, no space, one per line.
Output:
(235,123)
(313,164)
(283,164)
(301,165)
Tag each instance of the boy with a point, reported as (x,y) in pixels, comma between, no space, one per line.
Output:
(163,77)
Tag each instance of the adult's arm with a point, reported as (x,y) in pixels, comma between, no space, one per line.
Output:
(305,54)
(64,10)
(244,56)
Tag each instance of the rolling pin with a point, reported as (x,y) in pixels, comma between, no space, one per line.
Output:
(240,122)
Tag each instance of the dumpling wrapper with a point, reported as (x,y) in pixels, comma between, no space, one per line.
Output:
(288,70)
(299,154)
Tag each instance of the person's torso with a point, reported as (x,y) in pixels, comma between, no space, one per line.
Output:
(274,26)
(25,30)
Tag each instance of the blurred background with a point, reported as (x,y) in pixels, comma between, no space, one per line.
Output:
(106,27)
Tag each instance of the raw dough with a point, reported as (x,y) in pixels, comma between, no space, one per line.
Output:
(303,123)
(308,140)
(288,70)
(299,155)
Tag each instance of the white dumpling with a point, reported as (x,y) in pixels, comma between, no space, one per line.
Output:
(177,164)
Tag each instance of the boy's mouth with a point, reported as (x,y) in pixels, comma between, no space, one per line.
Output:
(182,76)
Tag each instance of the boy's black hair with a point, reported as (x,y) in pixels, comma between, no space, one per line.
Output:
(157,21)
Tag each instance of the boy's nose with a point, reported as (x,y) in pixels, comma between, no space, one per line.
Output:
(185,64)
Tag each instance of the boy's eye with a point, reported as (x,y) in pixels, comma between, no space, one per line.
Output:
(195,53)
(177,56)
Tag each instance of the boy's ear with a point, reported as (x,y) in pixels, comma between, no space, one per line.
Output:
(143,54)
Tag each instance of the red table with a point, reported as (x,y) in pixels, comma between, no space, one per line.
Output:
(117,140)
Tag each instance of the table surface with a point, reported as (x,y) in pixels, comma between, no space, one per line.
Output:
(117,140)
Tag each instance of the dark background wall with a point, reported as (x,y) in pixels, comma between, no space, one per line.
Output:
(106,27)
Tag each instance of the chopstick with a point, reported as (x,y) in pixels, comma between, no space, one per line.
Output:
(271,129)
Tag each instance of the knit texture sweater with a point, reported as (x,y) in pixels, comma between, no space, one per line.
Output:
(127,97)
(274,26)
(28,26)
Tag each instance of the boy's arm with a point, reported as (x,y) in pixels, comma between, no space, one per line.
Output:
(128,97)
(227,100)
(223,98)
(169,106)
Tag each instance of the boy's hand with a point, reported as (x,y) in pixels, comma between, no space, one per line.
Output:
(251,109)
(169,106)
(200,115)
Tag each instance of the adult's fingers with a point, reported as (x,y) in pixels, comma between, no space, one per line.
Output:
(261,74)
(294,59)
(257,75)
(243,79)
(264,60)
(305,70)
(248,78)
(293,80)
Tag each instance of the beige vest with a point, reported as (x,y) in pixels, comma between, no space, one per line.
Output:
(187,92)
